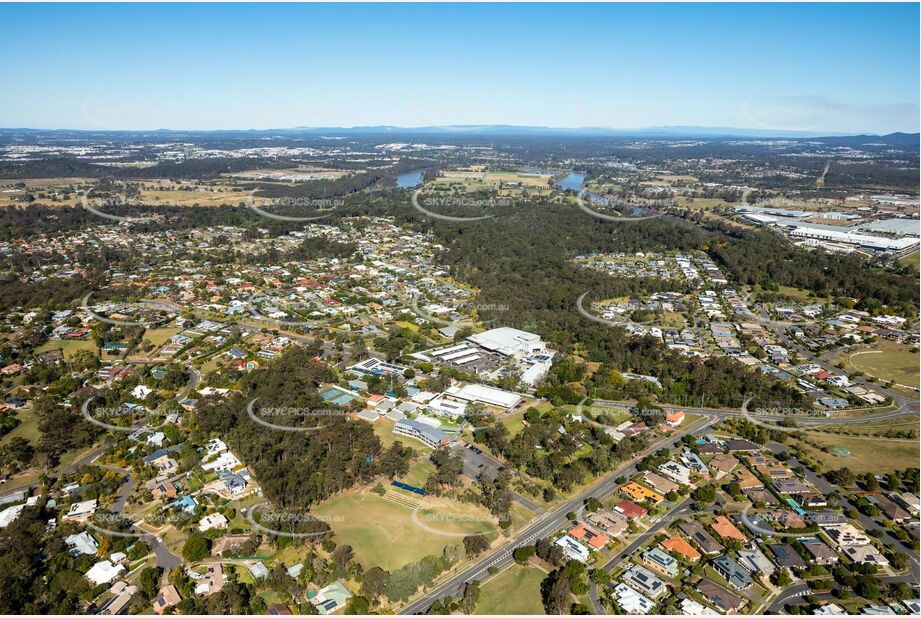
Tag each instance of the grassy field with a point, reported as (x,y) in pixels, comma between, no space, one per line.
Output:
(383,429)
(514,423)
(158,336)
(10,195)
(912,259)
(514,591)
(868,454)
(888,360)
(418,472)
(27,428)
(386,534)
(610,416)
(702,203)
(797,293)
(671,319)
(193,198)
(69,347)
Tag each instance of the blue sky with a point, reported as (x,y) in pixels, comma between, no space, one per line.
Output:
(815,67)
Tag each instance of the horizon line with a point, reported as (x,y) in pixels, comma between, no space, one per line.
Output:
(460,128)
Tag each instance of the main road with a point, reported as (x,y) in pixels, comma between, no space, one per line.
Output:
(544,527)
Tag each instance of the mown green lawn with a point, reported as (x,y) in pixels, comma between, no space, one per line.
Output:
(514,591)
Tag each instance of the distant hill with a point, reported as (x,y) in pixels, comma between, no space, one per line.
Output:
(906,141)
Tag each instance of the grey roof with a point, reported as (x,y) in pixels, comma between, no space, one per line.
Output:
(429,433)
(730,569)
(787,556)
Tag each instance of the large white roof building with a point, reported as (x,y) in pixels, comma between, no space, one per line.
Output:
(508,341)
(485,394)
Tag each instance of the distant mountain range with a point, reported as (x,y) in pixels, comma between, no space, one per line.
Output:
(494,130)
(674,131)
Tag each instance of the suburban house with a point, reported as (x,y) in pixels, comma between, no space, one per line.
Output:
(726,529)
(641,494)
(696,533)
(737,577)
(681,547)
(165,599)
(594,538)
(631,602)
(644,582)
(820,552)
(572,548)
(723,600)
(661,561)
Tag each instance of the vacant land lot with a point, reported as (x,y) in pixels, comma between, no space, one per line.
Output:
(514,591)
(703,203)
(887,361)
(197,197)
(514,423)
(866,454)
(389,535)
(158,336)
(69,347)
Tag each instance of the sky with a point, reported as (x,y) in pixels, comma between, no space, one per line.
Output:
(836,68)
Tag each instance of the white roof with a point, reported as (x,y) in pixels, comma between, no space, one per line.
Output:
(486,394)
(631,601)
(212,521)
(86,507)
(9,515)
(506,340)
(224,460)
(690,607)
(83,543)
(103,572)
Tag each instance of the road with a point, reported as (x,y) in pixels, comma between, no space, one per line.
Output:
(164,558)
(907,407)
(543,527)
(801,590)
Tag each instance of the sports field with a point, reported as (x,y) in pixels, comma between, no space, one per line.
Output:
(888,361)
(515,590)
(389,534)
